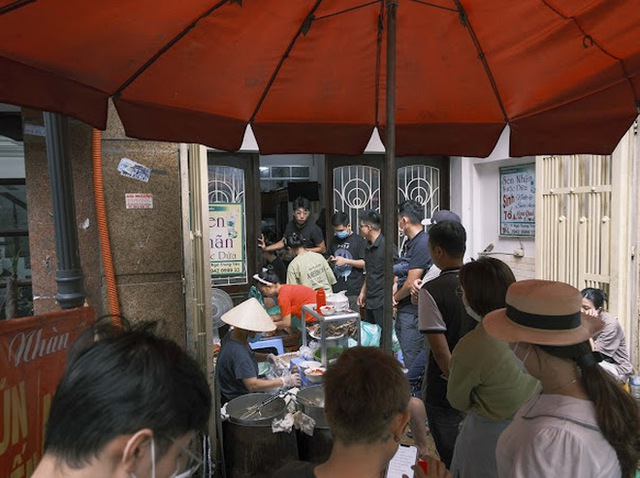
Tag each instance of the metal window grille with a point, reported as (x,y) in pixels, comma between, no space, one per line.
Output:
(355,189)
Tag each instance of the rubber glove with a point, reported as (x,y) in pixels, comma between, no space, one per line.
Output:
(292,380)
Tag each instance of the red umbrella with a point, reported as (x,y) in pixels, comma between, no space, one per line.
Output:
(312,76)
(309,75)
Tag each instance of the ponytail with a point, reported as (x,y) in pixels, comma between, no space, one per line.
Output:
(597,296)
(267,276)
(616,411)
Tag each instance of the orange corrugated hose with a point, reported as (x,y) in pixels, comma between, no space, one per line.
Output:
(103,230)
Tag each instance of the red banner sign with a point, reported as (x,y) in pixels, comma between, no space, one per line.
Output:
(33,355)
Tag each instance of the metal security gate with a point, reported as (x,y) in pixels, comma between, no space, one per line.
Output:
(355,189)
(356,183)
(573,237)
(587,227)
(422,184)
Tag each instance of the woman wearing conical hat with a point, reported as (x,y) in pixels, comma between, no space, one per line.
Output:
(237,364)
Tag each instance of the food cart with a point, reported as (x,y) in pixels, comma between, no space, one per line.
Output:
(324,321)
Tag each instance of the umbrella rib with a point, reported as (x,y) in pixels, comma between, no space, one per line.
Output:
(464,19)
(168,45)
(304,28)
(587,41)
(15,5)
(429,4)
(364,5)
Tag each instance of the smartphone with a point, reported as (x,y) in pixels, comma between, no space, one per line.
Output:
(402,461)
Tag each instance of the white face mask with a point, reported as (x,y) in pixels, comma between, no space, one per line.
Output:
(472,313)
(520,361)
(185,474)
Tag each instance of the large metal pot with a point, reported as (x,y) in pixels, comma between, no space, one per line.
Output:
(237,409)
(251,449)
(316,448)
(312,403)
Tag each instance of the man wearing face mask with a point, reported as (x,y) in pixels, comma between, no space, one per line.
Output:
(128,406)
(346,251)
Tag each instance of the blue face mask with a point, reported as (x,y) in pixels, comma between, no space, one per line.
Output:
(255,338)
(342,234)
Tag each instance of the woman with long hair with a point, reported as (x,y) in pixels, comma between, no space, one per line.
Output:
(484,379)
(583,423)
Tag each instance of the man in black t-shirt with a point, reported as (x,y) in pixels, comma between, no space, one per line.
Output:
(307,231)
(444,320)
(346,251)
(371,295)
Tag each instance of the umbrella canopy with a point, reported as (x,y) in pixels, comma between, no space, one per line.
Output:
(309,75)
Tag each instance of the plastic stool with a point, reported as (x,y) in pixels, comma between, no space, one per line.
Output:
(275,342)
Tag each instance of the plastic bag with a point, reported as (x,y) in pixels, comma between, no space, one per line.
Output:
(370,334)
(308,351)
(395,343)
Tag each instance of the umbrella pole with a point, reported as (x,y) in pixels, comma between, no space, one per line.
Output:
(389,191)
(69,274)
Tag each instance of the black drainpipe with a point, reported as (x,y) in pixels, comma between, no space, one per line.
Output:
(69,273)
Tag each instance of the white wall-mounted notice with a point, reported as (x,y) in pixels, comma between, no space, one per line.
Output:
(518,200)
(138,201)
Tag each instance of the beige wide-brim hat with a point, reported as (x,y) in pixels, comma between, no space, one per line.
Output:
(249,315)
(542,312)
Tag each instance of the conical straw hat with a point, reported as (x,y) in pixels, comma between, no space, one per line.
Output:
(249,315)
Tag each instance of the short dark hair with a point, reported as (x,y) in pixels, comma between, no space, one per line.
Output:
(294,241)
(364,375)
(372,218)
(340,219)
(301,202)
(411,210)
(597,296)
(124,381)
(485,283)
(450,236)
